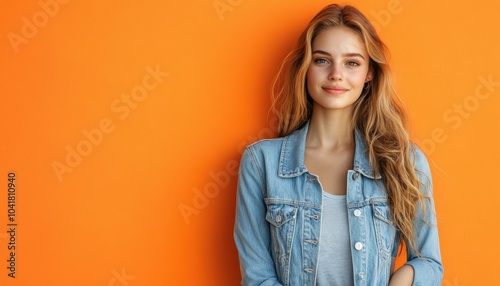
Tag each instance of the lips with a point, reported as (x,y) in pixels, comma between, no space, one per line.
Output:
(334,90)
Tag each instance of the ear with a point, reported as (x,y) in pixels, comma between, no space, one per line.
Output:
(369,75)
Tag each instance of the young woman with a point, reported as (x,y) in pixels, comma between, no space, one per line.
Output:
(330,201)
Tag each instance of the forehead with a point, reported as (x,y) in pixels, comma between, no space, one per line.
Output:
(338,40)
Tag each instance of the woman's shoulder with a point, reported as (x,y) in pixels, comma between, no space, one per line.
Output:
(422,167)
(262,153)
(420,159)
(266,146)
(276,144)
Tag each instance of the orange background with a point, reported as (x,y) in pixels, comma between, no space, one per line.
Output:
(116,218)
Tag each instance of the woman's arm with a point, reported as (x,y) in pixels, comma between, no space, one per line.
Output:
(427,269)
(402,277)
(251,230)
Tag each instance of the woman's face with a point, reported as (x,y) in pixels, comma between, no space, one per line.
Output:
(338,70)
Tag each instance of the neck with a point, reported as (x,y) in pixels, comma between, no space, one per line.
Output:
(330,129)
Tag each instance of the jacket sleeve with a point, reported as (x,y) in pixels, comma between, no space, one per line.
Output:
(251,230)
(428,269)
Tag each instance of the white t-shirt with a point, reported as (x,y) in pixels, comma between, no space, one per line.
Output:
(334,260)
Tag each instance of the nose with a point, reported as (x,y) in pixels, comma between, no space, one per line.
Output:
(335,73)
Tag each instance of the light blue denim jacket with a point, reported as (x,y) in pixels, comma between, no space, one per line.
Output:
(278,218)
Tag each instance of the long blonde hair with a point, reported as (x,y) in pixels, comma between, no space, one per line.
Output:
(377,114)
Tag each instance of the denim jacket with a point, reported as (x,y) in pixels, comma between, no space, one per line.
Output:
(278,218)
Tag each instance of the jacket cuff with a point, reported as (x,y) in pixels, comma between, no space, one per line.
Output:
(425,272)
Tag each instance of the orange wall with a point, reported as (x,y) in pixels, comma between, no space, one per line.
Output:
(116,115)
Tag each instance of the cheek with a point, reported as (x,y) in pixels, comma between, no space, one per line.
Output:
(358,79)
(312,77)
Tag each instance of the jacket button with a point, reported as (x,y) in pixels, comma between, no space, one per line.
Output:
(358,245)
(355,176)
(357,212)
(278,218)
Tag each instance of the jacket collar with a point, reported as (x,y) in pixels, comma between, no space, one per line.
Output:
(292,155)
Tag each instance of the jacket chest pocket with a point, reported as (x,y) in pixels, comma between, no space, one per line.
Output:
(282,220)
(385,229)
(385,232)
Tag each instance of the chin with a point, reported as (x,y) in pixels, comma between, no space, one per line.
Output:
(331,107)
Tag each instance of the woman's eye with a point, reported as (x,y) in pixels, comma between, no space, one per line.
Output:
(321,61)
(352,64)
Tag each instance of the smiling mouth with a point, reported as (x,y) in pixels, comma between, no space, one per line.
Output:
(335,90)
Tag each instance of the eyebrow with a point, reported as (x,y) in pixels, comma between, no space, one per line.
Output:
(344,55)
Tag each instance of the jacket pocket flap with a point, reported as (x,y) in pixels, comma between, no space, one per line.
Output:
(278,215)
(383,213)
